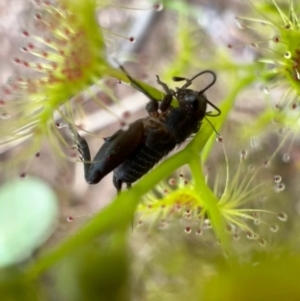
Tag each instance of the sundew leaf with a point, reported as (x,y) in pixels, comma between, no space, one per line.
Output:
(28,210)
(65,64)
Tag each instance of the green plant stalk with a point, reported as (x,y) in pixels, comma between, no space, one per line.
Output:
(120,212)
(210,200)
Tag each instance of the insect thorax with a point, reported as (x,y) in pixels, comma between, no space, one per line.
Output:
(182,124)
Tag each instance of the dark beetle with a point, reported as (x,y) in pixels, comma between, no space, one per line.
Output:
(131,152)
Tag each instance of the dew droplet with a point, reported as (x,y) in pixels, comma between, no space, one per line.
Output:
(282,216)
(279,187)
(131,39)
(266,90)
(126,114)
(187,212)
(207,224)
(17,60)
(25,33)
(236,236)
(123,124)
(4,116)
(276,39)
(24,49)
(274,228)
(23,175)
(277,179)
(177,207)
(256,221)
(172,181)
(286,158)
(199,232)
(125,127)
(249,235)
(163,224)
(262,242)
(293,106)
(239,24)
(243,155)
(60,125)
(70,219)
(188,230)
(30,46)
(158,6)
(38,17)
(287,55)
(266,164)
(219,138)
(229,228)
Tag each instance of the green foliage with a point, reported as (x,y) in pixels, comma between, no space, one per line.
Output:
(269,279)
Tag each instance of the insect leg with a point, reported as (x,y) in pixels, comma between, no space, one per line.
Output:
(164,85)
(166,102)
(117,183)
(84,151)
(152,106)
(86,155)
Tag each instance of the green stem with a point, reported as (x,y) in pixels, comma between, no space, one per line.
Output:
(210,201)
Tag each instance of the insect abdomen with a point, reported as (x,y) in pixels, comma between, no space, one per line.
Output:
(139,163)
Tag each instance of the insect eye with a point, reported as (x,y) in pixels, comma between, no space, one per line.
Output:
(191,98)
(190,101)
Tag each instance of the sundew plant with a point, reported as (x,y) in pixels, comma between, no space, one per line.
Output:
(218,218)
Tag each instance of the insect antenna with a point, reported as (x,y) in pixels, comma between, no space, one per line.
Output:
(212,82)
(189,81)
(212,125)
(215,107)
